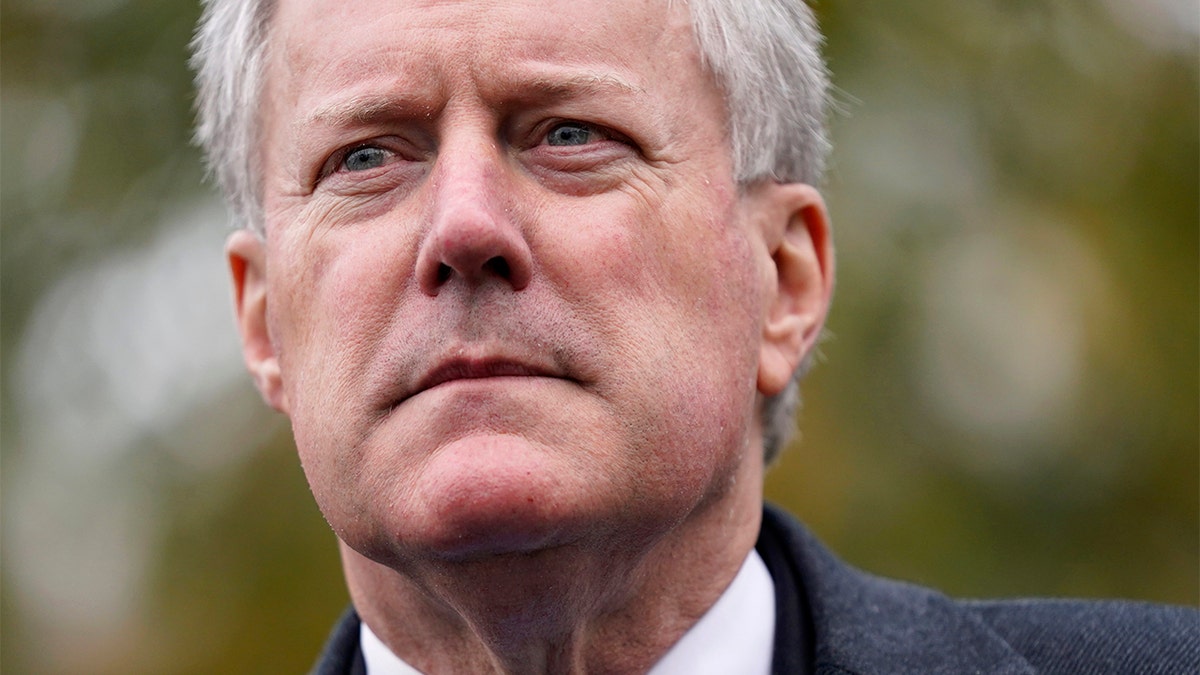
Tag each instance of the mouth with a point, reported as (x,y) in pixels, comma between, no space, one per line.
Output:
(460,369)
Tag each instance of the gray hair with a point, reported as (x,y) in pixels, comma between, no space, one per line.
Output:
(764,54)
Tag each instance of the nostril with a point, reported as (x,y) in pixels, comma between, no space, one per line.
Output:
(443,273)
(498,266)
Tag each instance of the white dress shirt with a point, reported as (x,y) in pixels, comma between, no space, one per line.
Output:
(736,635)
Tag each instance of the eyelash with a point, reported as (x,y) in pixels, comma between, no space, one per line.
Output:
(601,132)
(336,163)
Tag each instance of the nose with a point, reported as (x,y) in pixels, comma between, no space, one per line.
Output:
(474,239)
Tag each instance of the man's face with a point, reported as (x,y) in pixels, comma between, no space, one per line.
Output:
(513,295)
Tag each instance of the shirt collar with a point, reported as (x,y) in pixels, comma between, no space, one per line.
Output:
(736,635)
(379,659)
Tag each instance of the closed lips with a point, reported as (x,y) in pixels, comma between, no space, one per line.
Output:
(471,370)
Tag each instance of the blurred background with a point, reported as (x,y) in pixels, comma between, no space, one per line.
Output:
(1007,402)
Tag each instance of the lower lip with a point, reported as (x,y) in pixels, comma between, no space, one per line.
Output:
(492,382)
(476,393)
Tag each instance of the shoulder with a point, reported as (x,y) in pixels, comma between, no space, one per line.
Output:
(1060,636)
(861,623)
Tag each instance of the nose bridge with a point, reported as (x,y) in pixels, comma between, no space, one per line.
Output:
(467,173)
(473,238)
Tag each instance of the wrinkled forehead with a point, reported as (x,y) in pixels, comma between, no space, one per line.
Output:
(310,36)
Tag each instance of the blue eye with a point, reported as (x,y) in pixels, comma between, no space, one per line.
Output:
(569,133)
(364,158)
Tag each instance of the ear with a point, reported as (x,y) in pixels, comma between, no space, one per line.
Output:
(248,266)
(797,234)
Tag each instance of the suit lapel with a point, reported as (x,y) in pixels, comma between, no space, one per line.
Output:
(863,624)
(342,654)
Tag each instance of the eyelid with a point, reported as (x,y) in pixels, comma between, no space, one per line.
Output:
(602,131)
(336,160)
(397,148)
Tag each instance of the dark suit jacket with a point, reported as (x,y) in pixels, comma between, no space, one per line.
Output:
(832,619)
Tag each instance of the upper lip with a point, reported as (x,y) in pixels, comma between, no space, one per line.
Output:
(460,368)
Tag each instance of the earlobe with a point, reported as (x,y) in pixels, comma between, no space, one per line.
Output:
(248,268)
(798,239)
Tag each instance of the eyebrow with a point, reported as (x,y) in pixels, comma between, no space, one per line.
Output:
(372,108)
(364,110)
(565,88)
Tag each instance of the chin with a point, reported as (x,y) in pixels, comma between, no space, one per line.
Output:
(493,495)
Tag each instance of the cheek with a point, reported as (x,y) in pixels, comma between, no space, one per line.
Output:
(710,326)
(332,299)
(693,271)
(331,304)
(673,291)
(686,250)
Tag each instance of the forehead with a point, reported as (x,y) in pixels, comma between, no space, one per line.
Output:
(574,22)
(418,44)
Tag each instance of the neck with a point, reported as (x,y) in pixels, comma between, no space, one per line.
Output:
(584,608)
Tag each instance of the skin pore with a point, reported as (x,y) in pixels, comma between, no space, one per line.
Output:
(522,320)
